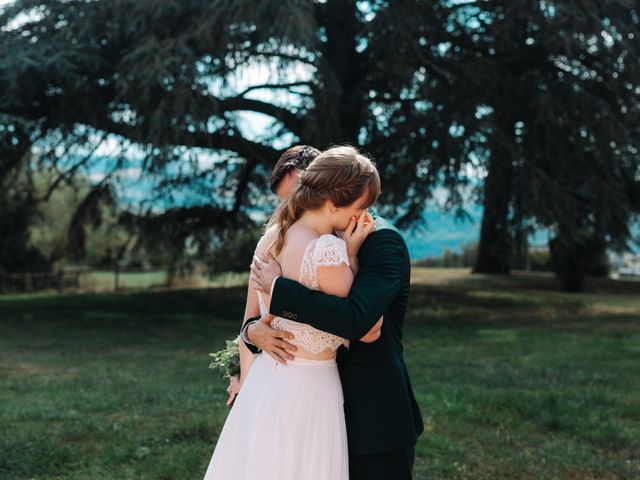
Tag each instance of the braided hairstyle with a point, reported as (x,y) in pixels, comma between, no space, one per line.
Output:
(339,174)
(299,156)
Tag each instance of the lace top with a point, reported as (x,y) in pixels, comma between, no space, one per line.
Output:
(326,250)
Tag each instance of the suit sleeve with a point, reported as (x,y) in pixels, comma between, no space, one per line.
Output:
(381,272)
(252,348)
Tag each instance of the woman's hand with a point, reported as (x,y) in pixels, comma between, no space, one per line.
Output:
(374,333)
(356,233)
(233,389)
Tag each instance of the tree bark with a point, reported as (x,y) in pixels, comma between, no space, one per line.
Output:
(494,249)
(346,64)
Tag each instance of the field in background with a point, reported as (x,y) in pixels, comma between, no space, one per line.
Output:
(93,281)
(515,380)
(86,280)
(104,281)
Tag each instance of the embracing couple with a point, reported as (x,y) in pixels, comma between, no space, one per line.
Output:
(328,396)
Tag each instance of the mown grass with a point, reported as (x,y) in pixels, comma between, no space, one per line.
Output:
(515,380)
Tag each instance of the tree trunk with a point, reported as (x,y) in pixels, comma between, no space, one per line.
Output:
(569,265)
(575,258)
(494,249)
(520,251)
(599,265)
(341,26)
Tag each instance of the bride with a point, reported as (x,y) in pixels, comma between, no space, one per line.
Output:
(287,422)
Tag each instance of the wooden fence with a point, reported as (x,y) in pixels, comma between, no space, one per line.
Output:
(37,281)
(87,279)
(79,279)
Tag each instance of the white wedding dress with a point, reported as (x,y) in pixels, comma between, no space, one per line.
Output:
(287,422)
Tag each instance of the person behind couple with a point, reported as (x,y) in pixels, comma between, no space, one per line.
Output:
(288,422)
(286,173)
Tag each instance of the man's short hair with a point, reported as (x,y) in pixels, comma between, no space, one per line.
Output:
(298,157)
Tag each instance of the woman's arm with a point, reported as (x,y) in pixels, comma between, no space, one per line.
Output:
(251,309)
(337,280)
(384,269)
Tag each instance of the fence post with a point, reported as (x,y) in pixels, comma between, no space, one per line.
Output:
(116,277)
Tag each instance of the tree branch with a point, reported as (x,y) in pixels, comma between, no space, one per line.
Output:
(244,147)
(290,119)
(275,86)
(69,173)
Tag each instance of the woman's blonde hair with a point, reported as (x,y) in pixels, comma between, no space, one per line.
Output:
(339,174)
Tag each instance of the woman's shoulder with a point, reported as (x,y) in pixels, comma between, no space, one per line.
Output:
(330,250)
(328,240)
(267,239)
(301,238)
(271,232)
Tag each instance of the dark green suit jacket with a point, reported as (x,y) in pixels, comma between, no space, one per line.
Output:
(381,411)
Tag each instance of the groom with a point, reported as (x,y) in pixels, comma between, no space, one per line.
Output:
(382,416)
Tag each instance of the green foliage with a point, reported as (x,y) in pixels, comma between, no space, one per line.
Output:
(541,97)
(234,251)
(108,243)
(540,260)
(227,360)
(70,223)
(17,211)
(450,259)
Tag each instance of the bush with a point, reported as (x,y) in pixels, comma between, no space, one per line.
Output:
(450,259)
(234,252)
(540,260)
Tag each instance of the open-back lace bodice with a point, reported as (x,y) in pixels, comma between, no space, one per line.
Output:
(326,250)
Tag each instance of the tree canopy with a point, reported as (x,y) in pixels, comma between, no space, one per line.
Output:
(528,107)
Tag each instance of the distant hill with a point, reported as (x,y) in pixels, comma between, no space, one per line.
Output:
(443,231)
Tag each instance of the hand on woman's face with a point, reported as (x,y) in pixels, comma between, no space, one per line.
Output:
(344,214)
(356,233)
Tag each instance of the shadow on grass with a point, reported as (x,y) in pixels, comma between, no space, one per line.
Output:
(223,302)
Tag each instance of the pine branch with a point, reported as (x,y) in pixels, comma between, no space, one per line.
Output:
(274,86)
(291,120)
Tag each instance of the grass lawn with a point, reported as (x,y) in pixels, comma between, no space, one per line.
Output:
(515,380)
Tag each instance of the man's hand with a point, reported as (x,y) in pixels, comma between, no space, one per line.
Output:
(264,272)
(232,390)
(270,340)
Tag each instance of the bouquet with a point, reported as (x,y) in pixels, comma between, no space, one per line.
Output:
(227,361)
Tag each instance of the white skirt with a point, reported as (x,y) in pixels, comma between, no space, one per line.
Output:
(287,423)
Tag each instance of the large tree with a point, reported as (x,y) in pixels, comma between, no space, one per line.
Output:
(556,92)
(480,94)
(567,116)
(175,80)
